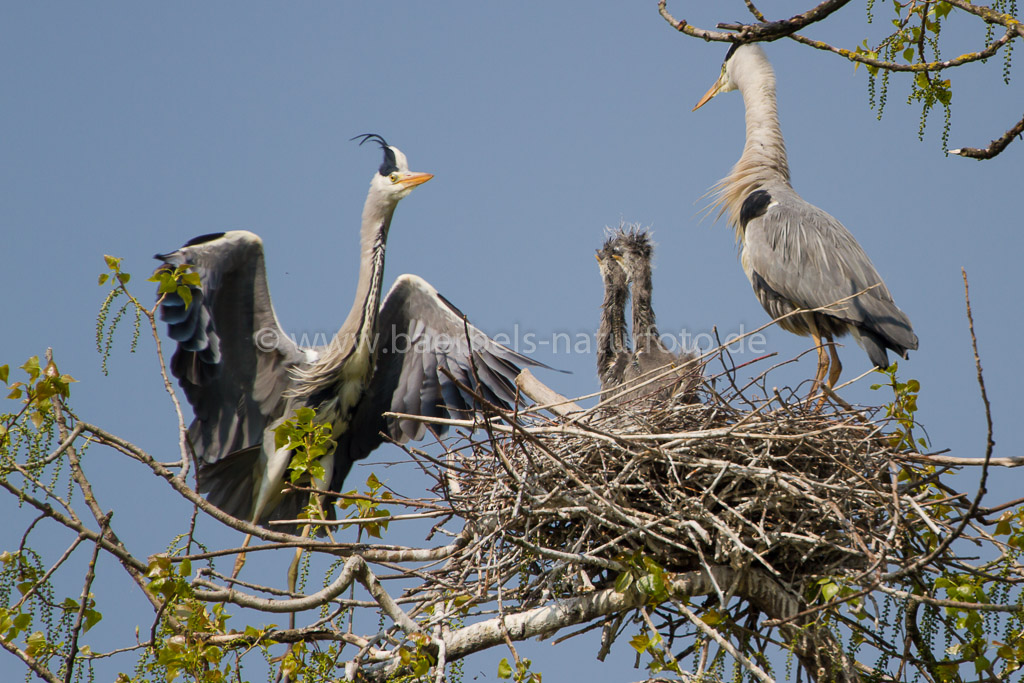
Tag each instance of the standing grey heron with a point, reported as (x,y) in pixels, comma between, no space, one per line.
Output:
(796,256)
(244,376)
(613,354)
(650,356)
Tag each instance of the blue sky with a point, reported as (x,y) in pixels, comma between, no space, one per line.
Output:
(129,128)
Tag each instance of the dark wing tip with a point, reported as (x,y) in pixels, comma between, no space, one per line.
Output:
(201,239)
(208,237)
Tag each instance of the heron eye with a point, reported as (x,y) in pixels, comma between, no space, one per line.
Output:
(393,177)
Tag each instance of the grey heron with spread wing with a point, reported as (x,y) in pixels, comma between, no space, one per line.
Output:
(796,256)
(244,376)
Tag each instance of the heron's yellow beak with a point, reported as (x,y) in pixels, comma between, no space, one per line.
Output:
(414,179)
(712,91)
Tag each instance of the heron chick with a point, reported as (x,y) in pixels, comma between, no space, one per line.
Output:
(796,256)
(613,353)
(651,358)
(625,264)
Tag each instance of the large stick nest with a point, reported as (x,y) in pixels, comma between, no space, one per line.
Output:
(689,483)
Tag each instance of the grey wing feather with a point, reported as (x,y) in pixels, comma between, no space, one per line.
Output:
(811,259)
(233,379)
(421,335)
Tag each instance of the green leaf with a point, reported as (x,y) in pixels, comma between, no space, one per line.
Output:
(35,643)
(712,617)
(167,284)
(31,366)
(5,372)
(92,617)
(504,668)
(624,582)
(112,262)
(420,667)
(829,590)
(640,642)
(186,295)
(103,279)
(123,278)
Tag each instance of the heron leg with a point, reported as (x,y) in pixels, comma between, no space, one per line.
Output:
(819,376)
(293,571)
(837,367)
(834,368)
(240,560)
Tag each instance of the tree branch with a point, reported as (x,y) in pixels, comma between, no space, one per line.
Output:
(745,33)
(994,147)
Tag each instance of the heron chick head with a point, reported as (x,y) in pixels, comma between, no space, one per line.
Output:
(610,262)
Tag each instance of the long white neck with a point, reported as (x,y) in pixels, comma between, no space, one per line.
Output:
(764,154)
(360,325)
(362,318)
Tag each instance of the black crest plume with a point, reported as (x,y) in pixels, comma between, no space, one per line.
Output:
(732,50)
(389,165)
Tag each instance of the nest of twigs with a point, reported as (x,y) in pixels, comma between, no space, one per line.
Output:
(775,484)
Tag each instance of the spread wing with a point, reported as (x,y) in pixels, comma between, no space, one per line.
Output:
(232,358)
(422,335)
(807,257)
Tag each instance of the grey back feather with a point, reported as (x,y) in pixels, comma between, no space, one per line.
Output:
(809,258)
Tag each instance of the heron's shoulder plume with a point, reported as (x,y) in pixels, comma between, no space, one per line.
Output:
(390,163)
(763,163)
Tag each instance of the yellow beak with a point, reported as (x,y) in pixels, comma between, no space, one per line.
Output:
(414,179)
(712,91)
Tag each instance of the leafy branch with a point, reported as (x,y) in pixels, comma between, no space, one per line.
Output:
(912,47)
